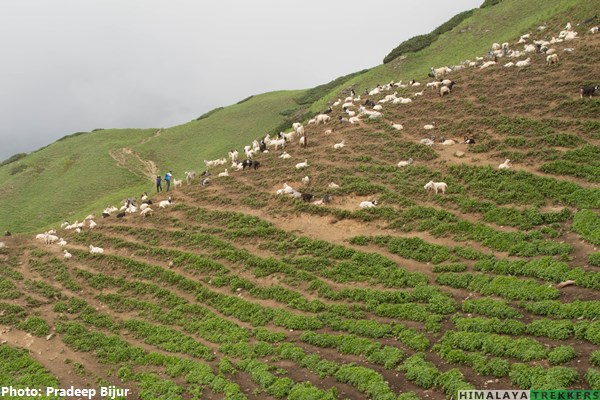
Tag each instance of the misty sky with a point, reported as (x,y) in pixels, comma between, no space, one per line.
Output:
(77,65)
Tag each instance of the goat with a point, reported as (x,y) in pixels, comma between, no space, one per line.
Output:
(307,197)
(469,140)
(587,91)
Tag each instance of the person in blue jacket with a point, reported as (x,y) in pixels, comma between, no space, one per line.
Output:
(158,184)
(168,176)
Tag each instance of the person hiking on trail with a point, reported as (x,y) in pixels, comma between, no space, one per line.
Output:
(158,185)
(168,176)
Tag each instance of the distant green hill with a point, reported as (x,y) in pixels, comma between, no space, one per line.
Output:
(87,171)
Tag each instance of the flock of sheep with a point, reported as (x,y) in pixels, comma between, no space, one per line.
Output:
(355,109)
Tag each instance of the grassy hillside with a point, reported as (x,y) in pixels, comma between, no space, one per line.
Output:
(473,37)
(77,174)
(236,292)
(74,176)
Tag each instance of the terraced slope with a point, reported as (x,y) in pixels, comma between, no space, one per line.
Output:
(236,292)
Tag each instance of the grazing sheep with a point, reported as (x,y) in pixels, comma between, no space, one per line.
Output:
(165,203)
(302,141)
(121,214)
(177,183)
(328,132)
(339,145)
(333,185)
(429,126)
(305,180)
(594,30)
(487,64)
(90,216)
(509,64)
(552,59)
(224,173)
(505,165)
(285,155)
(447,142)
(406,163)
(233,156)
(190,175)
(427,142)
(354,120)
(414,83)
(324,118)
(302,164)
(144,206)
(62,242)
(205,181)
(444,90)
(398,127)
(368,204)
(147,211)
(587,91)
(277,143)
(469,140)
(523,63)
(92,224)
(51,239)
(67,255)
(437,186)
(96,250)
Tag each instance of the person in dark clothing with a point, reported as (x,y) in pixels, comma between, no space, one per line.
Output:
(158,184)
(168,176)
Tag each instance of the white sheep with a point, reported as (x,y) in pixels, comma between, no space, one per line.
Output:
(406,163)
(147,211)
(328,132)
(190,175)
(277,143)
(51,239)
(570,36)
(62,242)
(594,30)
(419,93)
(378,107)
(339,145)
(427,142)
(333,185)
(302,164)
(90,216)
(530,48)
(487,64)
(233,156)
(552,59)
(354,120)
(224,173)
(429,126)
(437,186)
(96,250)
(287,189)
(368,204)
(67,255)
(398,127)
(92,224)
(177,182)
(302,141)
(165,203)
(505,165)
(444,90)
(448,142)
(285,155)
(523,63)
(509,64)
(144,206)
(305,180)
(324,118)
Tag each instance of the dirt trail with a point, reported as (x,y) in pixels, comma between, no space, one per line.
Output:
(134,163)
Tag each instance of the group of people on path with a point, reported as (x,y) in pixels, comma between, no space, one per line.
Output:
(167,180)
